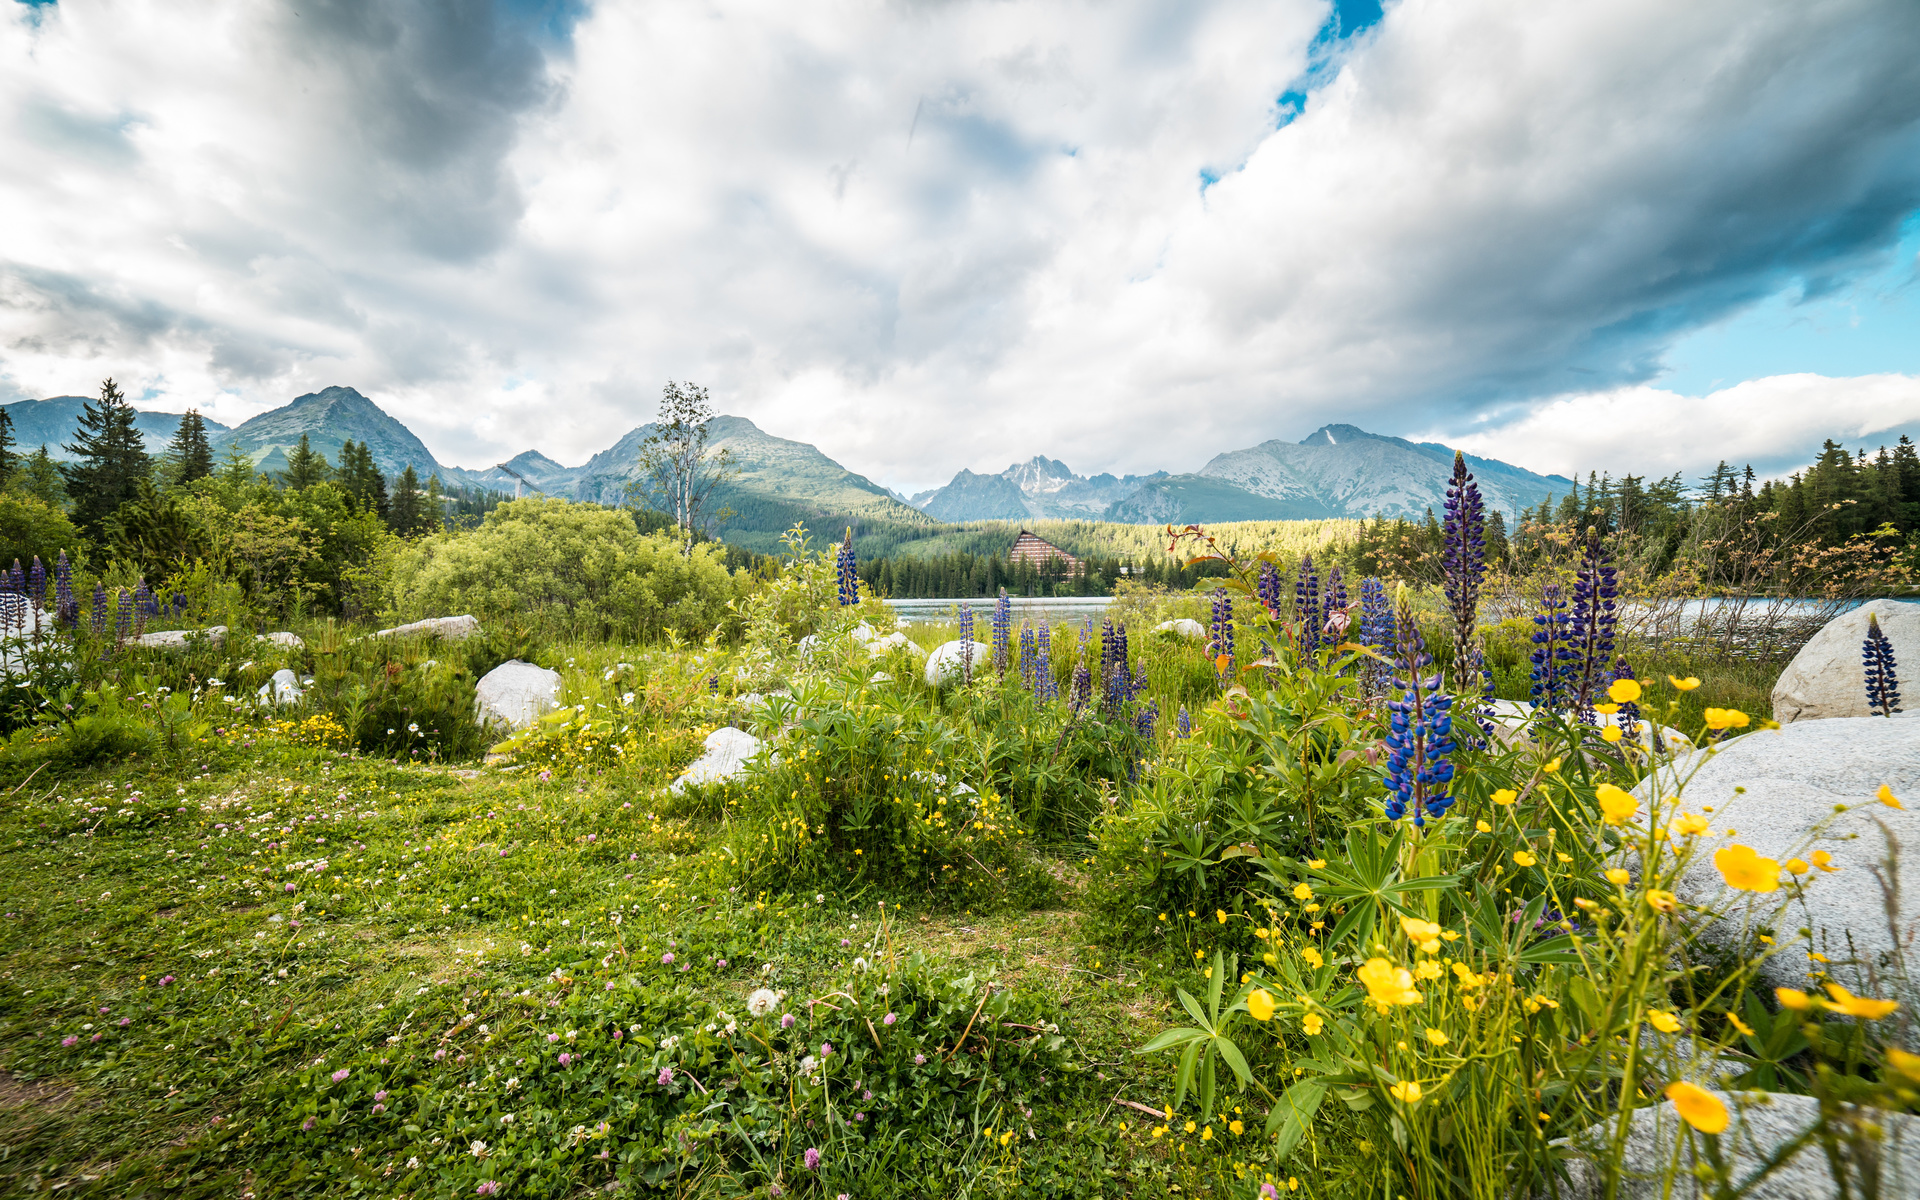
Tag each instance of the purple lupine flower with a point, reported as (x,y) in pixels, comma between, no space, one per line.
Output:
(19,580)
(1048,688)
(1463,557)
(66,608)
(1116,677)
(1183,724)
(1029,651)
(99,610)
(1333,607)
(1882,678)
(847,571)
(1419,732)
(123,614)
(1221,643)
(1269,588)
(1590,628)
(966,645)
(1001,626)
(1146,719)
(1551,658)
(1081,691)
(812,1159)
(37,582)
(1306,605)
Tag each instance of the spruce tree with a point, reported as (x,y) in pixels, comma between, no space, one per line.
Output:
(110,460)
(362,478)
(236,469)
(39,476)
(190,457)
(404,513)
(9,457)
(434,516)
(305,467)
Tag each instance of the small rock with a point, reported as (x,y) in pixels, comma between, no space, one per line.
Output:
(1826,679)
(1185,627)
(944,665)
(881,647)
(451,629)
(728,750)
(515,694)
(1763,1122)
(175,639)
(281,638)
(283,688)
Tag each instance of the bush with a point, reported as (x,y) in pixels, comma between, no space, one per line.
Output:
(588,568)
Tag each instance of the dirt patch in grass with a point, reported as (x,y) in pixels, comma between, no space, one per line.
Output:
(38,1093)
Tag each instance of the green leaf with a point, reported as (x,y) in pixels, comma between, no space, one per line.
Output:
(1172,1037)
(1193,1008)
(1231,1053)
(1293,1115)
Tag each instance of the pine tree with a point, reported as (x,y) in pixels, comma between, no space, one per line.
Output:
(305,467)
(9,457)
(434,516)
(39,476)
(236,470)
(404,509)
(190,457)
(362,478)
(110,460)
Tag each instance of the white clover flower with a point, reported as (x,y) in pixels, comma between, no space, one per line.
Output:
(479,1148)
(763,1001)
(807,1064)
(860,966)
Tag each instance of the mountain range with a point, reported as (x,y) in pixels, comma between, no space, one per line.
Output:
(1338,471)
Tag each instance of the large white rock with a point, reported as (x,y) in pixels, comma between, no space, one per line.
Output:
(1763,1123)
(1793,779)
(283,688)
(728,750)
(451,629)
(515,694)
(1827,677)
(22,618)
(1512,717)
(174,639)
(880,647)
(944,665)
(1185,627)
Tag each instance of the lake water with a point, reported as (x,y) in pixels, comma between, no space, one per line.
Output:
(1050,609)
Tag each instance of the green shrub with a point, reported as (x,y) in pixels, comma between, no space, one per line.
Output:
(583,567)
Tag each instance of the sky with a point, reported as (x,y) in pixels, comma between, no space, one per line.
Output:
(933,234)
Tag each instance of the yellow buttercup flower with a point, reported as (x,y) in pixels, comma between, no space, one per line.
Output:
(1425,933)
(1906,1064)
(1437,1037)
(1427,969)
(1505,796)
(1611,734)
(1661,901)
(1794,999)
(1685,685)
(1552,767)
(1407,1093)
(1316,863)
(1466,976)
(1698,1107)
(1823,861)
(1313,957)
(1860,1006)
(1885,796)
(1302,891)
(1623,691)
(1744,870)
(1312,1023)
(1742,1026)
(1691,824)
(1606,710)
(1726,718)
(1616,805)
(1524,859)
(1221,915)
(1618,877)
(1386,984)
(1260,1004)
(1483,827)
(1236,1128)
(1797,866)
(1665,1022)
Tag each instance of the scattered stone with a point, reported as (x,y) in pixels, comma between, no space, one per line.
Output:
(1793,778)
(1763,1123)
(1185,627)
(515,694)
(176,639)
(945,664)
(881,647)
(728,750)
(21,617)
(283,688)
(864,633)
(1826,679)
(452,629)
(282,638)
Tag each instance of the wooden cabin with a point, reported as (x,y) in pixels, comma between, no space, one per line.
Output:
(1035,550)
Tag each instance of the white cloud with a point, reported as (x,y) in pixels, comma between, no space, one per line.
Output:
(927,236)
(1776,424)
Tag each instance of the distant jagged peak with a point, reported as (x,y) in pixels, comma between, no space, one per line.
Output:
(1340,435)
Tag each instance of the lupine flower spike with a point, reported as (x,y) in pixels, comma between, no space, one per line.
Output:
(1419,732)
(65,606)
(1552,657)
(99,610)
(1220,647)
(1883,680)
(1028,652)
(1376,631)
(1269,589)
(1463,560)
(1591,628)
(1183,724)
(1049,687)
(37,582)
(1306,605)
(966,644)
(848,571)
(1333,609)
(1002,626)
